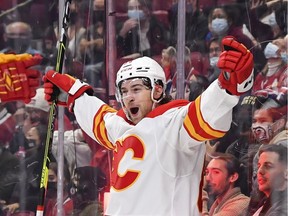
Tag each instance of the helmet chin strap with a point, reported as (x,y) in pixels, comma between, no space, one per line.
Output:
(154,100)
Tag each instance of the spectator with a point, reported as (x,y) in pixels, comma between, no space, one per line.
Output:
(198,85)
(51,194)
(272,180)
(189,72)
(169,64)
(92,48)
(226,20)
(87,183)
(36,112)
(268,125)
(18,36)
(196,26)
(27,191)
(141,33)
(76,151)
(270,13)
(223,181)
(277,71)
(214,49)
(9,163)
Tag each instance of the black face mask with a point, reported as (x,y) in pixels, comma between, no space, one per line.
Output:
(99,16)
(18,45)
(52,190)
(73,17)
(31,143)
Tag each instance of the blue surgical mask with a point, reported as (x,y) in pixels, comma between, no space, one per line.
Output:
(270,51)
(219,26)
(214,61)
(136,14)
(284,57)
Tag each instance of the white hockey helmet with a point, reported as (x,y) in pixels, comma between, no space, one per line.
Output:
(143,67)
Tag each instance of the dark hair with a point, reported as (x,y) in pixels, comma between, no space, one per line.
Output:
(54,166)
(233,165)
(42,131)
(278,149)
(146,3)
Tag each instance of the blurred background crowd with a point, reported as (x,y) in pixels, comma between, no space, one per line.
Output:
(145,28)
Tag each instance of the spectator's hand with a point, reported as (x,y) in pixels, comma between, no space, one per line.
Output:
(236,65)
(11,208)
(70,88)
(273,2)
(255,4)
(127,26)
(17,80)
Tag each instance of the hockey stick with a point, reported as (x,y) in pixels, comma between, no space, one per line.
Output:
(53,109)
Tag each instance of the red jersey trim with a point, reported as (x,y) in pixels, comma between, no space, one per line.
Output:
(197,127)
(100,131)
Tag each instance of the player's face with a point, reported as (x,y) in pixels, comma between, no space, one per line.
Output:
(271,173)
(136,98)
(217,177)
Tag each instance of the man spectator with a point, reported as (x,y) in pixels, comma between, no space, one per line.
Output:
(272,180)
(18,36)
(223,176)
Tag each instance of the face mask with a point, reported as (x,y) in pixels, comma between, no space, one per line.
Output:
(73,17)
(214,61)
(99,16)
(136,14)
(270,51)
(273,67)
(262,132)
(31,143)
(269,20)
(284,57)
(51,190)
(18,45)
(219,26)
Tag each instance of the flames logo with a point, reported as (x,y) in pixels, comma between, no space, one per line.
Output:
(11,82)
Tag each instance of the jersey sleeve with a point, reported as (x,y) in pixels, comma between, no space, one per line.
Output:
(210,115)
(90,113)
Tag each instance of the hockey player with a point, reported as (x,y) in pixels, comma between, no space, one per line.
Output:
(158,148)
(17,80)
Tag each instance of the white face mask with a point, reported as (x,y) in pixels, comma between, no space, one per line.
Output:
(219,26)
(284,57)
(270,19)
(262,132)
(270,51)
(214,61)
(136,14)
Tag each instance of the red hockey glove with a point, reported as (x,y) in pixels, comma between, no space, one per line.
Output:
(236,64)
(17,80)
(70,88)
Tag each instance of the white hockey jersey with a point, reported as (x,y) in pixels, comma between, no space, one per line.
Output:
(158,163)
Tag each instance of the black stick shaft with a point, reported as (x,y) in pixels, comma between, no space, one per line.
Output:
(53,111)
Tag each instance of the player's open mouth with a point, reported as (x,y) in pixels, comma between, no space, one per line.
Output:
(134,110)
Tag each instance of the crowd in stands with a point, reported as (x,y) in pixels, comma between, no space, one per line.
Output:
(245,171)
